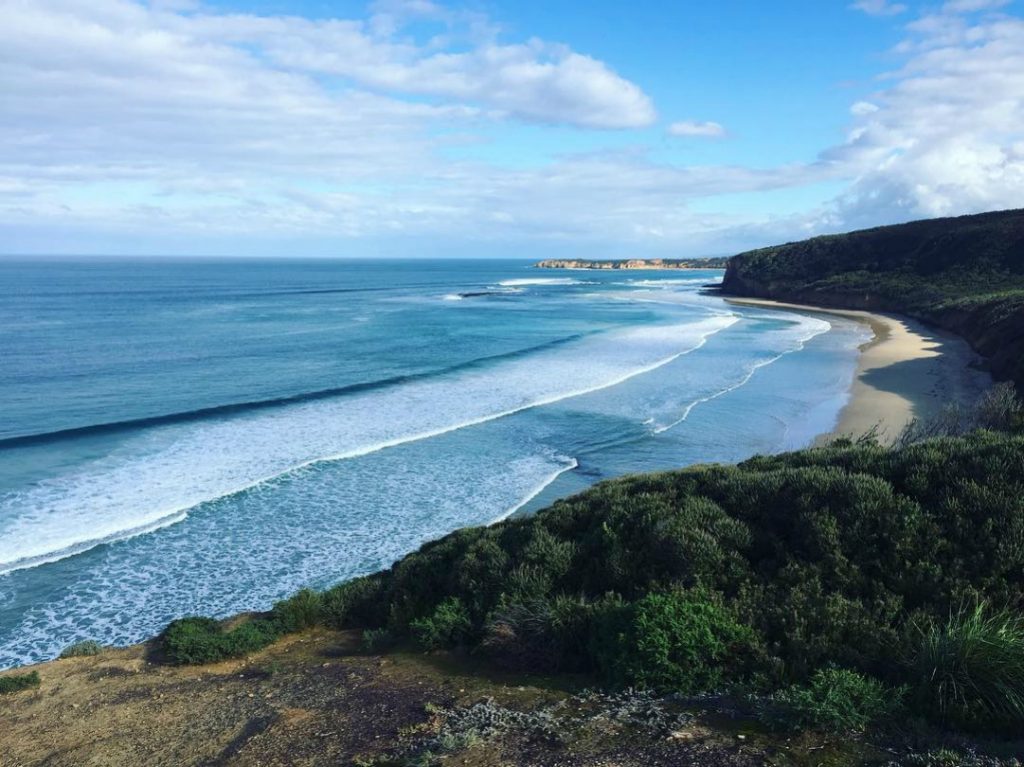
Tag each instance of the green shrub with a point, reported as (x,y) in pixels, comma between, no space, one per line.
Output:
(84,648)
(522,636)
(196,640)
(375,640)
(545,634)
(302,611)
(448,626)
(834,699)
(970,670)
(680,641)
(818,557)
(1000,409)
(18,682)
(357,603)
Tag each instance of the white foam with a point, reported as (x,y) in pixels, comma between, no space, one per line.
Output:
(669,283)
(166,470)
(571,463)
(312,528)
(815,328)
(540,281)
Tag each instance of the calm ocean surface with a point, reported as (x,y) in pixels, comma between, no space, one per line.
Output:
(197,436)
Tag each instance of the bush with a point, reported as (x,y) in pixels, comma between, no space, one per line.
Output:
(522,636)
(837,700)
(1000,409)
(302,611)
(80,649)
(195,640)
(448,626)
(767,571)
(970,671)
(679,641)
(356,603)
(19,682)
(376,640)
(546,634)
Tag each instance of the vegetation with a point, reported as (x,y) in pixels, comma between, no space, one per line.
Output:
(448,626)
(824,576)
(969,671)
(834,700)
(19,682)
(676,641)
(196,640)
(999,409)
(84,648)
(964,274)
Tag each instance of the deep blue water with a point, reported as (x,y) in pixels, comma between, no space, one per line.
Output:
(190,436)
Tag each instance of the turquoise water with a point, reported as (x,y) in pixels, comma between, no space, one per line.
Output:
(189,436)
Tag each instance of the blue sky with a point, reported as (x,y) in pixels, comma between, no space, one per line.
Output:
(415,127)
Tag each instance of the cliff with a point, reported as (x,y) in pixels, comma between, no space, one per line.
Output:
(634,263)
(964,274)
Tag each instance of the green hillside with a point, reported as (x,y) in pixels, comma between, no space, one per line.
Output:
(963,274)
(873,569)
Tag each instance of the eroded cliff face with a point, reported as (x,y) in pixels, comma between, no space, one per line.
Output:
(995,330)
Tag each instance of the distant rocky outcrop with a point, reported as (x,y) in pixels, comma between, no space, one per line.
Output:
(962,274)
(634,263)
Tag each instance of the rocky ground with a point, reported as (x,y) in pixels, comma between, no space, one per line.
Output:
(315,699)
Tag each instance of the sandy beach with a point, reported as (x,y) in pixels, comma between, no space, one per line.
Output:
(906,371)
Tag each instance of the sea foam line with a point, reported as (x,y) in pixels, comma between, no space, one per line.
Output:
(750,374)
(80,548)
(180,513)
(540,281)
(572,464)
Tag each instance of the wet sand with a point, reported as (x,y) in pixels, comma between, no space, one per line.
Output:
(906,371)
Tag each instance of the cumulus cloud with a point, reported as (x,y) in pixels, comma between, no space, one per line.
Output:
(947,136)
(696,128)
(170,116)
(183,125)
(879,7)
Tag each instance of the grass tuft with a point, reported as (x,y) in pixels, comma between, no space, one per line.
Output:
(19,682)
(835,700)
(86,647)
(970,670)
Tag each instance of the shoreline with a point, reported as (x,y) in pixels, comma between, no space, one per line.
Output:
(905,371)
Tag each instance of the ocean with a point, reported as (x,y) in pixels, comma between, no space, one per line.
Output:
(188,436)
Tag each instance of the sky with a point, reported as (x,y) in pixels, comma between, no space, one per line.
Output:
(498,128)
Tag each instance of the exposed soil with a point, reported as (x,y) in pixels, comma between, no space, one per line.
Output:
(314,699)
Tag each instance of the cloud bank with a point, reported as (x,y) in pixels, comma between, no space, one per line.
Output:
(178,127)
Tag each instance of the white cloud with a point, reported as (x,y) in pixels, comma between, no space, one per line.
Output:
(863,108)
(947,136)
(695,128)
(879,7)
(120,121)
(971,6)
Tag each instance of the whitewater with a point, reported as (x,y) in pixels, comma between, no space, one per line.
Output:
(211,436)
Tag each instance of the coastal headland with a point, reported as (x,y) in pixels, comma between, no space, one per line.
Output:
(814,585)
(634,263)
